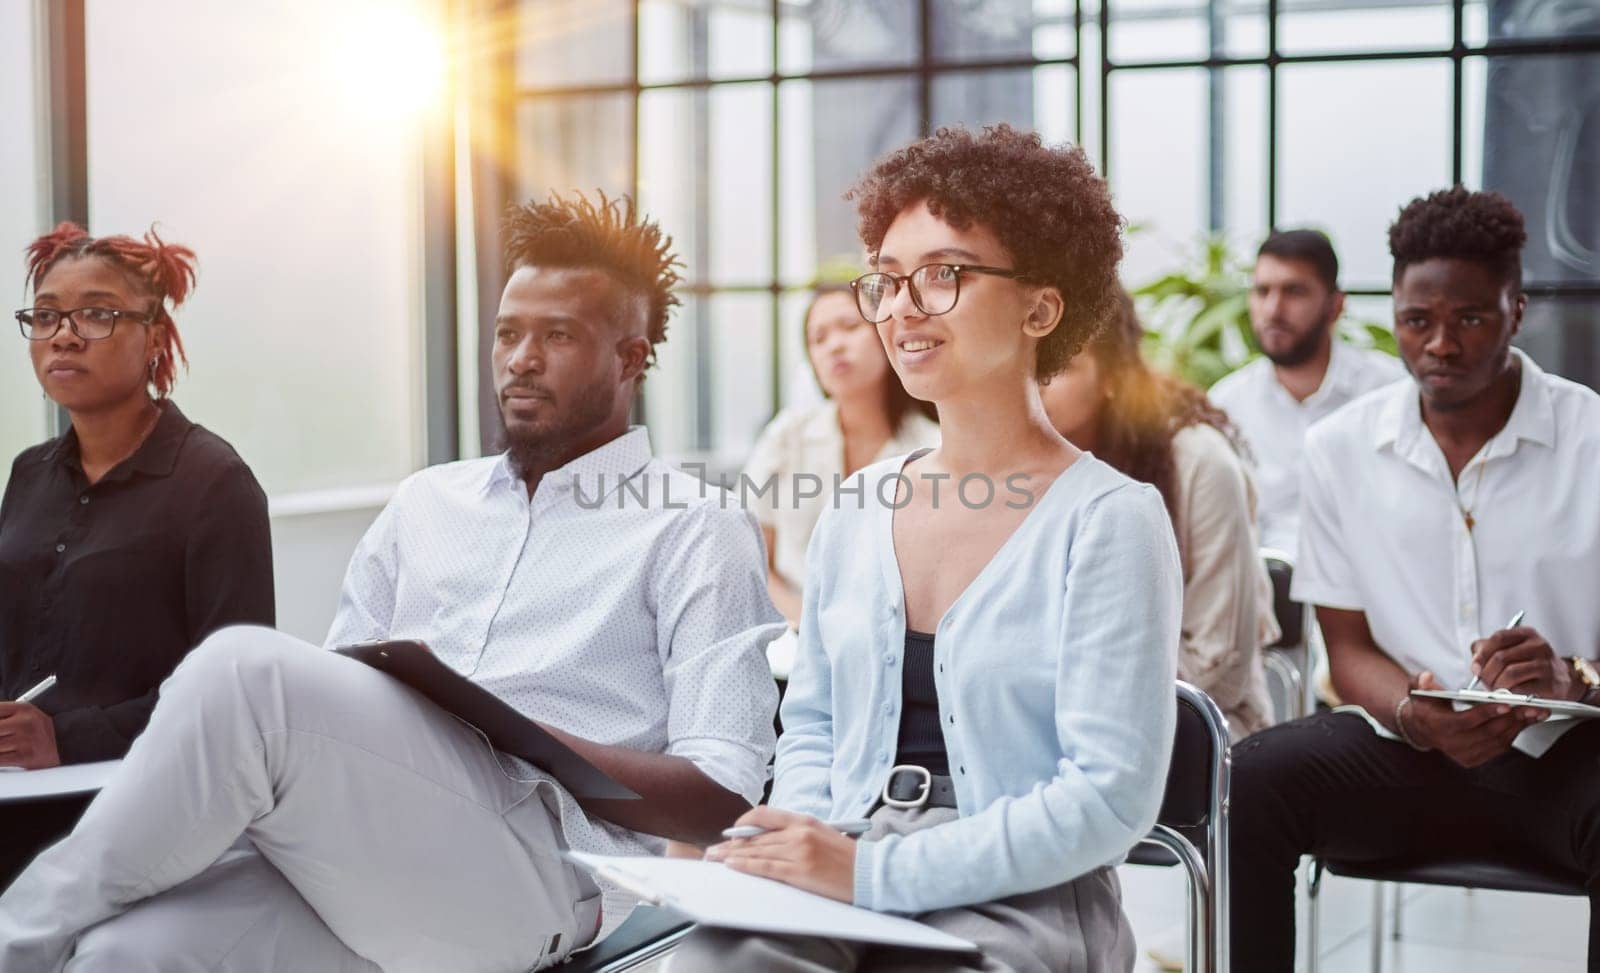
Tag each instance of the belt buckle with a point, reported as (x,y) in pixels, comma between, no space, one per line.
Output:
(925,788)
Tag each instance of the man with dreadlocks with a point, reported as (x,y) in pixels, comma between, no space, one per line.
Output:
(1432,511)
(290,808)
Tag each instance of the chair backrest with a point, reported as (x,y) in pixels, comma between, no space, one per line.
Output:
(1197,780)
(1291,614)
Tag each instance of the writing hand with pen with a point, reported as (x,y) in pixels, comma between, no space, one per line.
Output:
(27,734)
(796,849)
(1515,658)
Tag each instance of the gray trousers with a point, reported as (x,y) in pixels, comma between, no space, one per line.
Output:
(1077,927)
(291,809)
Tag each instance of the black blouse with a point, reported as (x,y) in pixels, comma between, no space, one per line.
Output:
(108,586)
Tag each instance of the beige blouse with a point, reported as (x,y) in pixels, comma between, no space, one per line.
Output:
(808,440)
(1227,595)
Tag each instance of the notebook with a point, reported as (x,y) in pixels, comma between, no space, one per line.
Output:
(712,894)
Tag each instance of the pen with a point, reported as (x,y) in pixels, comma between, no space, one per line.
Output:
(1515,621)
(37,691)
(844,827)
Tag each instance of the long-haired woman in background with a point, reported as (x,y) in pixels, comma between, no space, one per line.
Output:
(1162,431)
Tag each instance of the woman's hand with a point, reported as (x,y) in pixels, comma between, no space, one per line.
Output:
(797,850)
(27,737)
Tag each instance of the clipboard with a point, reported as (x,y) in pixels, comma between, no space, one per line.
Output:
(712,894)
(1502,697)
(506,729)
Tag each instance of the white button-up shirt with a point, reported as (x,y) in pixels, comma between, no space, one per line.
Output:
(1383,531)
(1274,426)
(632,616)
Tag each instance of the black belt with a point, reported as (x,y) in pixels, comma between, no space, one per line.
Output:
(911,786)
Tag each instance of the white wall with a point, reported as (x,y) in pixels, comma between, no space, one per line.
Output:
(310,550)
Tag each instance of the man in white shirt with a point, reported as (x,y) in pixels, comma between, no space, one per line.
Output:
(290,808)
(1304,374)
(1435,511)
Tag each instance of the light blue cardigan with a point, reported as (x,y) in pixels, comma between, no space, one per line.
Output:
(1054,670)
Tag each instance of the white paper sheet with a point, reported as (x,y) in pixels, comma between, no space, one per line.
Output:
(20,785)
(710,893)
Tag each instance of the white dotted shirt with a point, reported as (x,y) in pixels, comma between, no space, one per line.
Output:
(633,616)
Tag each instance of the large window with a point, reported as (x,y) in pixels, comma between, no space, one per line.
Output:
(297,186)
(740,124)
(22,407)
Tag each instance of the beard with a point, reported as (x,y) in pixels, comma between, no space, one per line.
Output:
(547,443)
(1304,349)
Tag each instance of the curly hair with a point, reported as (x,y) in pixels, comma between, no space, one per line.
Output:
(1146,408)
(1457,223)
(609,236)
(1049,208)
(164,271)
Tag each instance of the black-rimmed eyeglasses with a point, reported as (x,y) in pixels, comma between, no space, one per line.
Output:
(935,288)
(88,323)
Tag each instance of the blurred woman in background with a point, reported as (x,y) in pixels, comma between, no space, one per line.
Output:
(867,415)
(1164,432)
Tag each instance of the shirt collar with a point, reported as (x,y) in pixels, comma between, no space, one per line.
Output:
(156,456)
(822,425)
(1342,375)
(1533,418)
(1341,368)
(601,470)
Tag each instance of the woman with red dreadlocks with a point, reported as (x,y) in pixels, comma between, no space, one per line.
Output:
(124,541)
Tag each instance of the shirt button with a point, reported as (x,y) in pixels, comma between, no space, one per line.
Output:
(883,758)
(888,660)
(84,498)
(60,548)
(888,708)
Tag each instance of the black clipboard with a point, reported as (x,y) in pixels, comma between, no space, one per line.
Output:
(507,730)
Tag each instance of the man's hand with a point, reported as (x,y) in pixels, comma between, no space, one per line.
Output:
(1472,737)
(797,850)
(27,737)
(1519,659)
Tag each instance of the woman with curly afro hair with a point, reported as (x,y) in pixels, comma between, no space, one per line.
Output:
(989,635)
(124,541)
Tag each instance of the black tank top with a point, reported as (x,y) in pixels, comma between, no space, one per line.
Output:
(921,740)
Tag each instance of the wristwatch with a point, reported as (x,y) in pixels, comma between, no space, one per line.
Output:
(1585,672)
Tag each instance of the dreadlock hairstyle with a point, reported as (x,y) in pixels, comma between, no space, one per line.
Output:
(1146,408)
(165,271)
(1480,226)
(609,236)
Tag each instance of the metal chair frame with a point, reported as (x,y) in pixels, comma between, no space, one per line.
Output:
(1207,876)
